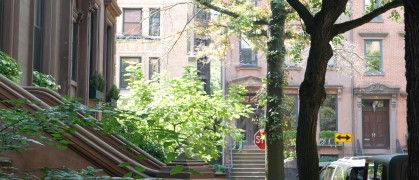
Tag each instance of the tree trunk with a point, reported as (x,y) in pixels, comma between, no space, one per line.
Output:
(275,83)
(411,16)
(312,95)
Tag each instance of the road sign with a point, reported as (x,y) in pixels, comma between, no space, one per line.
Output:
(260,139)
(343,137)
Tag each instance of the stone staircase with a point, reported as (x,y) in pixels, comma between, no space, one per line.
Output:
(248,164)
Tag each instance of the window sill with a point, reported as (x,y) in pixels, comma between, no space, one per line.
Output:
(130,36)
(248,68)
(329,145)
(73,83)
(373,73)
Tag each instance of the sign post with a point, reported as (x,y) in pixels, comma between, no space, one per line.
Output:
(260,139)
(343,137)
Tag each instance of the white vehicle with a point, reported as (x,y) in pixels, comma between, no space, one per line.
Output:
(348,168)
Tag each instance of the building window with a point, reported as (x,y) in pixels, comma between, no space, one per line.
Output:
(291,111)
(38,36)
(202,14)
(132,21)
(332,63)
(74,52)
(154,22)
(1,23)
(376,5)
(328,114)
(248,57)
(124,75)
(154,66)
(200,43)
(373,56)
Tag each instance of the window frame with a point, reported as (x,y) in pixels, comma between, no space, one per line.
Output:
(377,18)
(139,22)
(381,56)
(38,33)
(74,51)
(123,71)
(150,72)
(151,16)
(254,60)
(296,107)
(336,113)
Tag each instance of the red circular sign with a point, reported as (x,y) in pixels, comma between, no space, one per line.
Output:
(260,139)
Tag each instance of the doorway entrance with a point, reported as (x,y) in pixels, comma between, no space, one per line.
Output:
(375,124)
(250,125)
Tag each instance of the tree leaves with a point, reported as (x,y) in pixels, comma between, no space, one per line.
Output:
(195,172)
(177,169)
(179,115)
(124,164)
(139,168)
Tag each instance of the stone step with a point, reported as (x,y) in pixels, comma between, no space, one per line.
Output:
(247,177)
(248,174)
(249,165)
(248,155)
(249,158)
(249,151)
(248,170)
(248,162)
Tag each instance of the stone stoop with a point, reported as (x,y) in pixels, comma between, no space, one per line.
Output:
(248,164)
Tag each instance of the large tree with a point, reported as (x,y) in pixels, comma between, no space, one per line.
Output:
(322,27)
(254,25)
(411,16)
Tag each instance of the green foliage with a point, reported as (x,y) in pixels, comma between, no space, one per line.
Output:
(9,67)
(43,80)
(113,93)
(20,127)
(327,134)
(328,159)
(177,169)
(97,82)
(327,137)
(178,115)
(219,168)
(17,121)
(291,134)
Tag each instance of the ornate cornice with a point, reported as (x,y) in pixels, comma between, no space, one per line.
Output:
(113,8)
(94,5)
(376,88)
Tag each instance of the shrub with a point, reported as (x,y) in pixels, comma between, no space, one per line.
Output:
(328,159)
(327,134)
(9,67)
(97,82)
(219,168)
(290,134)
(43,80)
(113,93)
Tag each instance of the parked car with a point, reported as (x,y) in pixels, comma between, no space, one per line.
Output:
(349,168)
(394,167)
(384,167)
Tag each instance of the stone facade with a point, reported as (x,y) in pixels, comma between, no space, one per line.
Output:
(173,47)
(66,39)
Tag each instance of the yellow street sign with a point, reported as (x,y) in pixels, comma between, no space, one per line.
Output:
(343,137)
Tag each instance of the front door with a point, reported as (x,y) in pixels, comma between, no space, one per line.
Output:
(375,124)
(250,127)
